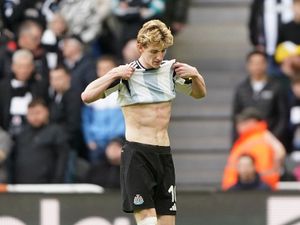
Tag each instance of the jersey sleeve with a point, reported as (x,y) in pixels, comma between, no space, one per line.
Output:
(115,86)
(183,85)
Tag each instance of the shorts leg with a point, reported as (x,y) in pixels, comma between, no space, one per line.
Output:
(137,180)
(165,199)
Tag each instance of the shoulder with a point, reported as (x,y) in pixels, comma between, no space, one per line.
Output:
(288,26)
(274,84)
(54,129)
(5,82)
(243,84)
(263,186)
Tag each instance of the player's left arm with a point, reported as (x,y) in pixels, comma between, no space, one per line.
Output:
(186,71)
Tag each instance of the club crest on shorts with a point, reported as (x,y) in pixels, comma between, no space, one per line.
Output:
(138,199)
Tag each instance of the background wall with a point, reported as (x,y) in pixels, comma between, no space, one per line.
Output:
(194,208)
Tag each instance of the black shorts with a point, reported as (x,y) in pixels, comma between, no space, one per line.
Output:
(148,178)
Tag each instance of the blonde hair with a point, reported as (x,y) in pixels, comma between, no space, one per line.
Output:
(155,32)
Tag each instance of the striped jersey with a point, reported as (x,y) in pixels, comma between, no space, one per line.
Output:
(150,85)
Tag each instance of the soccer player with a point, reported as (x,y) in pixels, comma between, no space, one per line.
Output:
(146,88)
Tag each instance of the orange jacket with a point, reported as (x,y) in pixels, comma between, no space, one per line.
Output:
(254,143)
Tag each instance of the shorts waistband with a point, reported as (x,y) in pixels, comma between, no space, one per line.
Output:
(153,148)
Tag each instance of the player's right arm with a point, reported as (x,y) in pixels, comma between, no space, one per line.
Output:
(96,89)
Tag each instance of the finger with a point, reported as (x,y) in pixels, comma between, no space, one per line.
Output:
(179,70)
(176,65)
(131,69)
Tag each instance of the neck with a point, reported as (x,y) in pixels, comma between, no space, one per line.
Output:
(143,63)
(247,180)
(259,78)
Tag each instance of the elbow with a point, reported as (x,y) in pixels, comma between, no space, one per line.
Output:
(85,98)
(203,94)
(200,95)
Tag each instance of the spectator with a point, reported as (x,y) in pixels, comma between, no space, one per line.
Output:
(290,33)
(256,141)
(102,120)
(130,51)
(248,178)
(106,173)
(294,116)
(176,14)
(29,37)
(41,151)
(266,16)
(55,32)
(260,91)
(65,107)
(132,14)
(16,93)
(16,12)
(84,18)
(80,65)
(5,148)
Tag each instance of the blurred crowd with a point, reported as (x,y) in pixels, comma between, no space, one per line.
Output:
(266,104)
(49,51)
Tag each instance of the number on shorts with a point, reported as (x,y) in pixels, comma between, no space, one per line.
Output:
(172,190)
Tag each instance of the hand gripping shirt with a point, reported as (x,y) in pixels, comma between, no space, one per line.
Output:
(150,85)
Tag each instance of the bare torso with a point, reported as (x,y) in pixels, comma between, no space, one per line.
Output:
(148,123)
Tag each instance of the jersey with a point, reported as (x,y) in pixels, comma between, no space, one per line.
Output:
(150,85)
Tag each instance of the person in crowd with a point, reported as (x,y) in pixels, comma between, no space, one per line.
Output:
(6,144)
(132,14)
(176,14)
(65,107)
(257,141)
(15,13)
(248,178)
(51,38)
(102,120)
(41,150)
(80,64)
(18,91)
(288,54)
(84,18)
(29,37)
(265,94)
(265,20)
(294,116)
(106,173)
(130,51)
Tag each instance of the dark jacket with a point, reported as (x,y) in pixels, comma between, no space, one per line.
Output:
(66,111)
(257,184)
(256,23)
(15,12)
(41,155)
(82,73)
(271,101)
(104,174)
(289,32)
(294,124)
(176,11)
(37,89)
(131,19)
(259,24)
